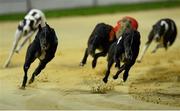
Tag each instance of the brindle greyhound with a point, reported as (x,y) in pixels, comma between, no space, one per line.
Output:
(43,47)
(100,39)
(126,50)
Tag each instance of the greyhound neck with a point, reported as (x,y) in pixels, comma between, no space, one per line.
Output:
(43,20)
(43,23)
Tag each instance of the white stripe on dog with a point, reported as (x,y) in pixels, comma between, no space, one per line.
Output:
(119,39)
(166,25)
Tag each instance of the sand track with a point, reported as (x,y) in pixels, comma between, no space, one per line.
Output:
(152,84)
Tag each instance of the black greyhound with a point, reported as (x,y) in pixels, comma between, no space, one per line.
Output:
(43,47)
(125,50)
(164,33)
(101,38)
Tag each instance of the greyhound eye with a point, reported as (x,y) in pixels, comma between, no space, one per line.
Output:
(31,23)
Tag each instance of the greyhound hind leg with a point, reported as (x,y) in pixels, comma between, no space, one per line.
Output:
(96,56)
(118,72)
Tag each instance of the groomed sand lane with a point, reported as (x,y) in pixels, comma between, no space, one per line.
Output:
(153,84)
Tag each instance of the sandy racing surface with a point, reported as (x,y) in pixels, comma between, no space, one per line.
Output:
(152,84)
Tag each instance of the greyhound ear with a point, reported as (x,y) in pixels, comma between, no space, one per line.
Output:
(52,31)
(47,25)
(162,23)
(40,28)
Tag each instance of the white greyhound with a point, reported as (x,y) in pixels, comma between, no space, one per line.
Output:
(26,28)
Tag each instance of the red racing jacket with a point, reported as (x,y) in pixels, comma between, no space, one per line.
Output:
(123,24)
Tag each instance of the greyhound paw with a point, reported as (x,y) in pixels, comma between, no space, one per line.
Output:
(22,88)
(81,64)
(117,66)
(153,51)
(6,64)
(31,81)
(93,64)
(105,80)
(125,77)
(115,77)
(138,61)
(17,51)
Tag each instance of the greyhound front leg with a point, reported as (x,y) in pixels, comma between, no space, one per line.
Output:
(26,67)
(110,63)
(25,40)
(116,57)
(96,56)
(119,71)
(126,73)
(18,36)
(30,40)
(40,67)
(157,47)
(117,61)
(84,58)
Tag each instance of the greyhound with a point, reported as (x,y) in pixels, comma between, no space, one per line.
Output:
(164,32)
(26,28)
(100,39)
(44,48)
(125,50)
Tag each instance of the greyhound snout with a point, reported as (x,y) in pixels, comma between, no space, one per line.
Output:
(25,32)
(157,37)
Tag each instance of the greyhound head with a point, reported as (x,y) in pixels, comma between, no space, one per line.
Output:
(159,29)
(28,25)
(44,36)
(128,44)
